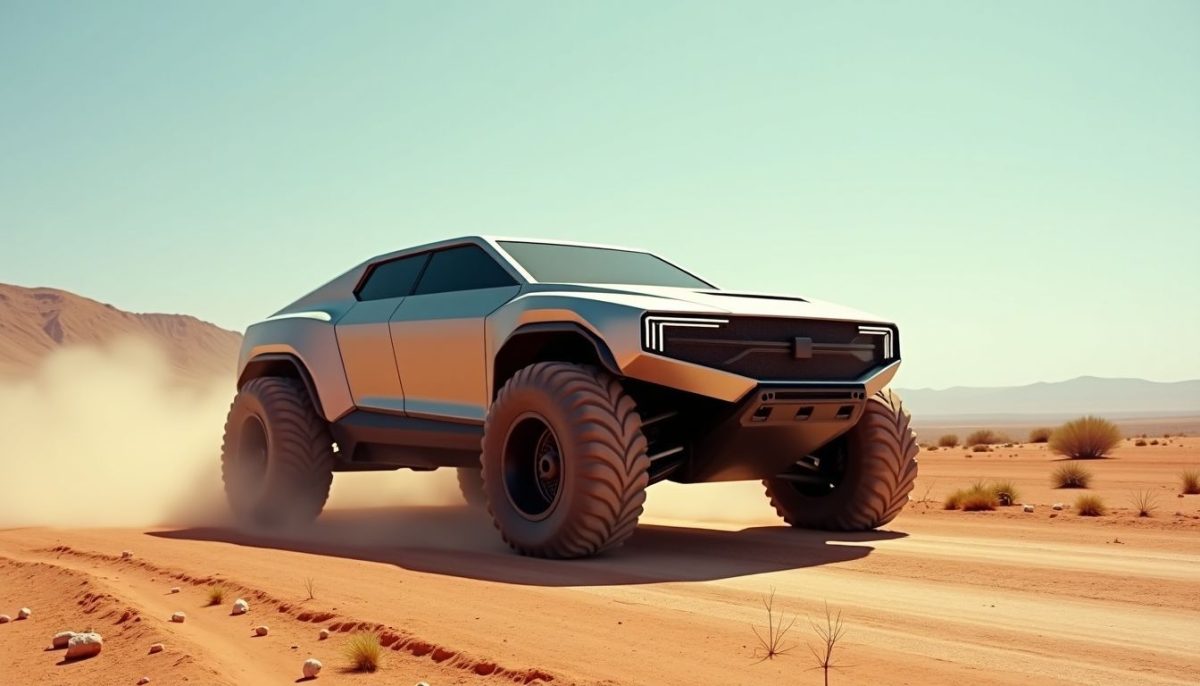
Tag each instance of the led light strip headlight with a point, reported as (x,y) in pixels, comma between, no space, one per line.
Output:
(880,331)
(653,327)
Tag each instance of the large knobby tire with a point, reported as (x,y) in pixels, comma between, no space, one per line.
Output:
(580,425)
(277,456)
(879,465)
(470,482)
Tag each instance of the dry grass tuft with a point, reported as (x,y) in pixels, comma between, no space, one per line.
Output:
(830,633)
(1041,434)
(216,594)
(364,651)
(1141,443)
(1145,502)
(1085,438)
(948,441)
(1006,492)
(308,587)
(1090,506)
(1071,476)
(771,644)
(1190,481)
(981,448)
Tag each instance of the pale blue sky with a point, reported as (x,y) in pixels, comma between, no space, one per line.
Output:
(1016,183)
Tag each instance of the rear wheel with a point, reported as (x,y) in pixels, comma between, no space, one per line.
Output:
(277,456)
(860,481)
(565,468)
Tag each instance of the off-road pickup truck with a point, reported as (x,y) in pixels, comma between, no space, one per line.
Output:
(561,380)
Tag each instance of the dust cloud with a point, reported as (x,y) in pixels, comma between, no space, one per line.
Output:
(107,436)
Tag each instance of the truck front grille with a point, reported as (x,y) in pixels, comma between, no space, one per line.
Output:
(775,349)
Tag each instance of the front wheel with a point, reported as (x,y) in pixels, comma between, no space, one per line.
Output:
(862,479)
(565,468)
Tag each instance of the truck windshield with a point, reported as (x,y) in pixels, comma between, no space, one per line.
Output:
(557,263)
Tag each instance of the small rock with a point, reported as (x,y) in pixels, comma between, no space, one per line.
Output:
(240,607)
(61,639)
(1053,515)
(143,681)
(174,589)
(84,645)
(126,554)
(324,634)
(5,619)
(422,683)
(261,631)
(1028,508)
(179,617)
(312,667)
(1056,506)
(24,613)
(156,648)
(295,647)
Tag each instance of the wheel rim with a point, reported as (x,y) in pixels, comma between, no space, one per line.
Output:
(533,467)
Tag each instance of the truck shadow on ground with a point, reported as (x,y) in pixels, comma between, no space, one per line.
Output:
(461,542)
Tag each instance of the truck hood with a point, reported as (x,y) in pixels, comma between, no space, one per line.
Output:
(666,299)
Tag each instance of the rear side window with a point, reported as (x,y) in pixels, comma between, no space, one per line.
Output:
(464,268)
(392,279)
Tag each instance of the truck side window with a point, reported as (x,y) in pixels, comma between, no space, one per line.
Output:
(462,268)
(392,279)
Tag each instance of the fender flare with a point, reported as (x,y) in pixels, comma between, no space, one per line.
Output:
(271,364)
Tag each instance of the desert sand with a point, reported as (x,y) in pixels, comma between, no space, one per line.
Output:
(1003,597)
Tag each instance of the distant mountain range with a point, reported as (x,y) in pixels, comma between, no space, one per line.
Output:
(36,321)
(1083,395)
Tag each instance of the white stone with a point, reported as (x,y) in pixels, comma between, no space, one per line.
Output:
(143,681)
(324,634)
(1029,508)
(1056,506)
(311,668)
(84,645)
(156,648)
(240,607)
(24,613)
(61,639)
(261,631)
(179,617)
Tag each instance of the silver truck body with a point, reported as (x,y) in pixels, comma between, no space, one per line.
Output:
(407,380)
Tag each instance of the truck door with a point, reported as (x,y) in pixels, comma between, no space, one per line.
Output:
(438,333)
(365,340)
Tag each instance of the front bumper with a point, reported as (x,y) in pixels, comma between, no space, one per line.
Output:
(777,424)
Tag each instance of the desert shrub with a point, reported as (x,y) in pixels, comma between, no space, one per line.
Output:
(1040,435)
(1006,492)
(977,501)
(981,448)
(364,651)
(954,500)
(1090,506)
(1071,476)
(980,496)
(1190,481)
(985,437)
(216,594)
(1154,442)
(1144,502)
(948,441)
(1141,442)
(932,448)
(1085,438)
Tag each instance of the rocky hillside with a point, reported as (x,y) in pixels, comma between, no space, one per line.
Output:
(36,321)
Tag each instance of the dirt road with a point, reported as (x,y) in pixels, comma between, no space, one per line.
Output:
(1002,597)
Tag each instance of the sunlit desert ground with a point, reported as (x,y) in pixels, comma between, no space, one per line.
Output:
(1001,597)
